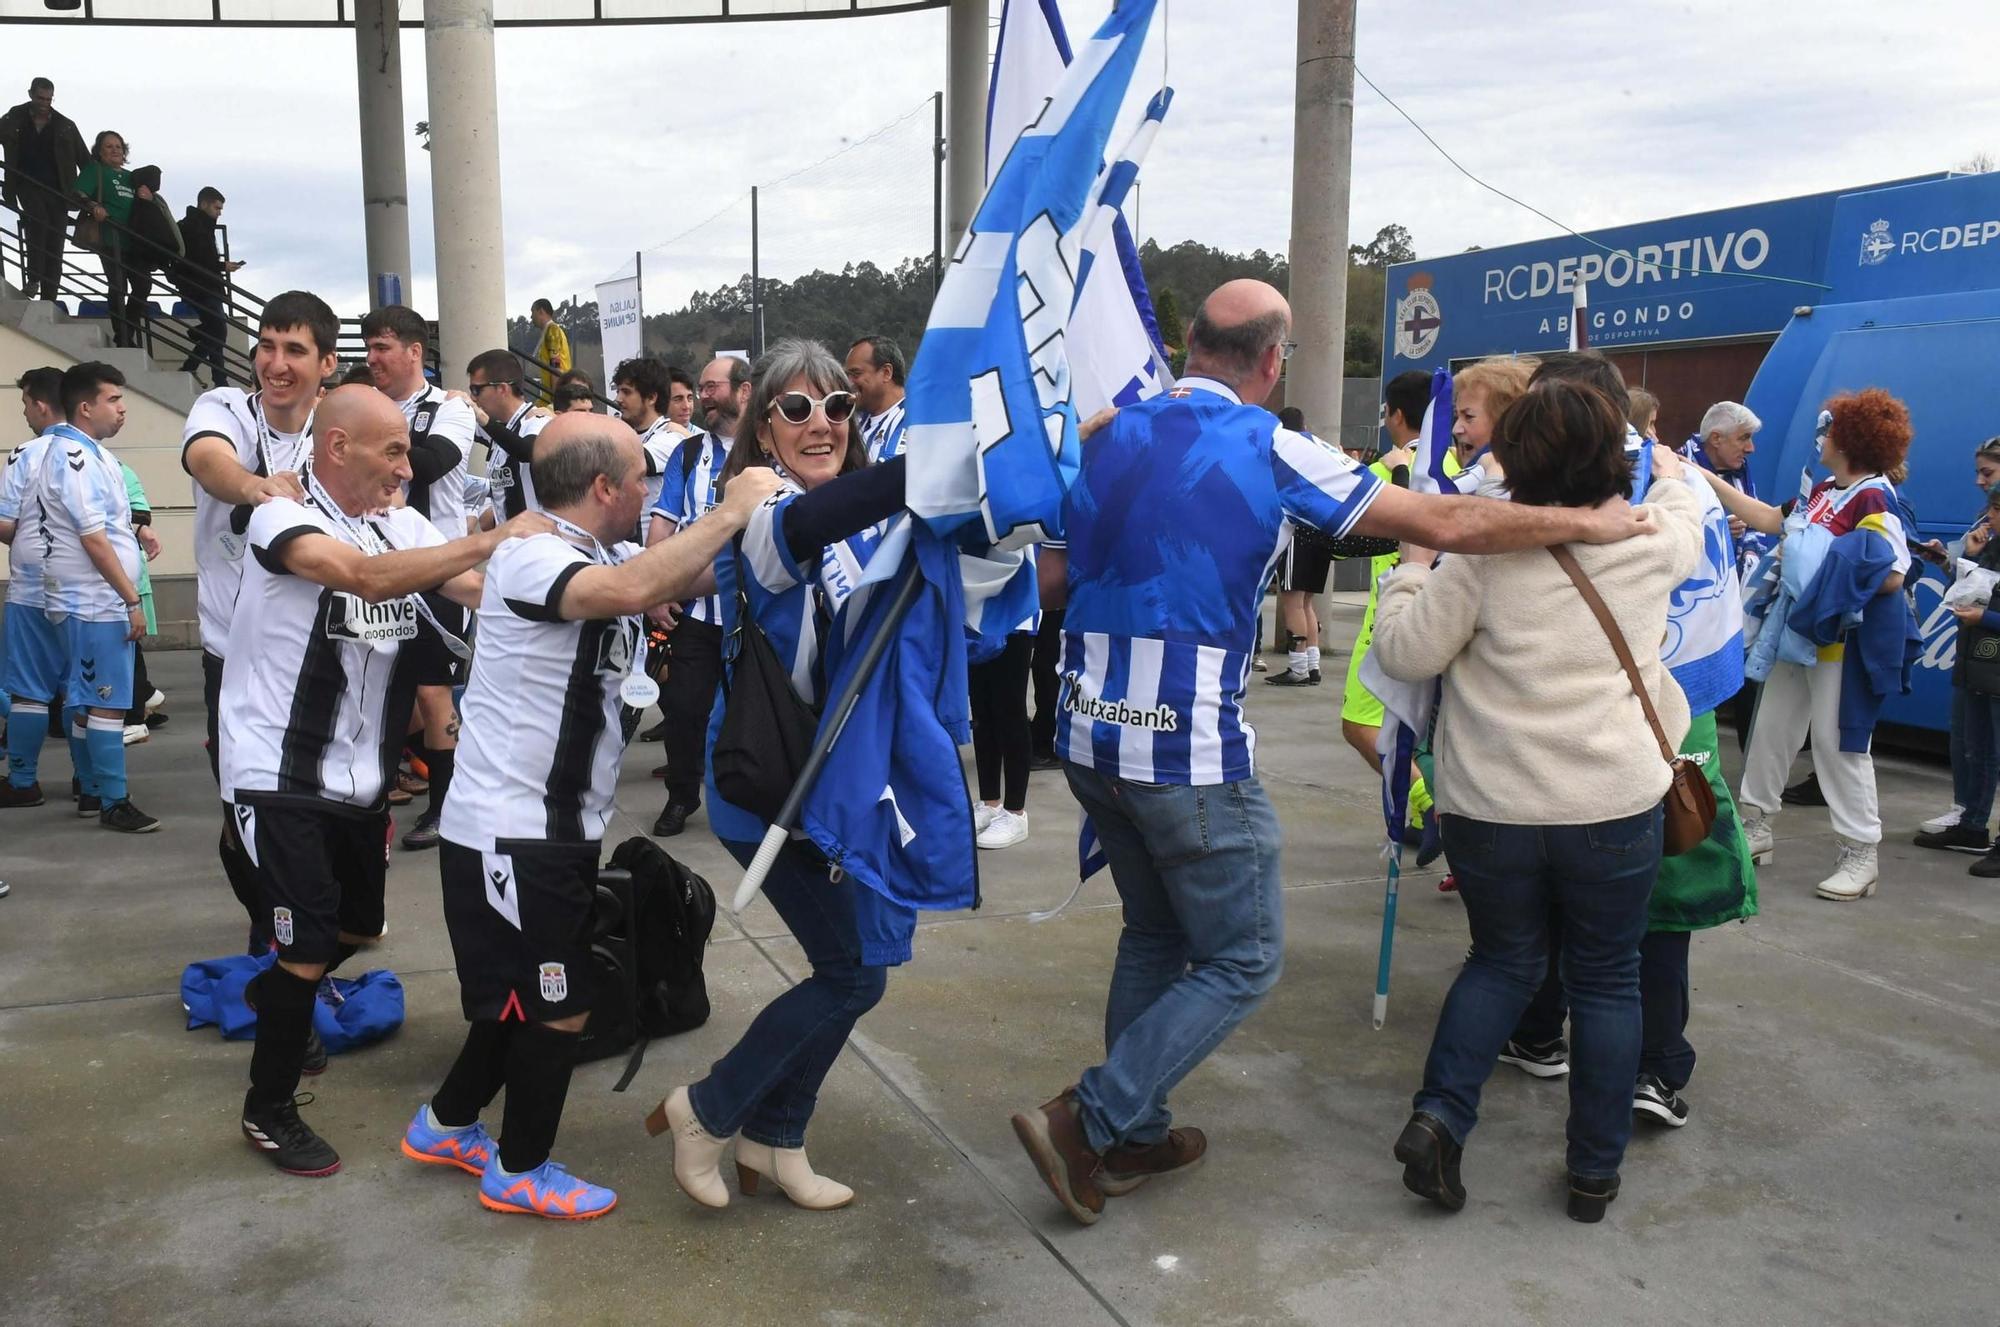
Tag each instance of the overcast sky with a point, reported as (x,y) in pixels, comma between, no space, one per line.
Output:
(621,139)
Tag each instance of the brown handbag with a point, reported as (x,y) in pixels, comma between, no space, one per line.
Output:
(89,232)
(1690,802)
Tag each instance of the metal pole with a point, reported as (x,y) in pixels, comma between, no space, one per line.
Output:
(385,184)
(465,179)
(965,84)
(1322,160)
(639,280)
(937,191)
(756,287)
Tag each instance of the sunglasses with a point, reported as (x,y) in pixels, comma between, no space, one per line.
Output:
(797,407)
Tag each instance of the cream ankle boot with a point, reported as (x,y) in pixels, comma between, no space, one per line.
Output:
(1854,873)
(789,1169)
(697,1152)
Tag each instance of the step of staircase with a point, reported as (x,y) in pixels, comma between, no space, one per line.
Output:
(80,339)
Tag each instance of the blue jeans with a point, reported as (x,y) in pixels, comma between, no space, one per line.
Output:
(768,1083)
(1204,938)
(1975,754)
(1599,878)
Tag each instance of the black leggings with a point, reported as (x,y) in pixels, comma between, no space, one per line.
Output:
(1000,721)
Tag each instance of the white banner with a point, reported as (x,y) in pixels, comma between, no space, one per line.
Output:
(619,322)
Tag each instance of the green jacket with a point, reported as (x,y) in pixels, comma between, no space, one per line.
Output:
(111,187)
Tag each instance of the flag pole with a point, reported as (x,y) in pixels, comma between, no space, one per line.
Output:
(1388,944)
(908,582)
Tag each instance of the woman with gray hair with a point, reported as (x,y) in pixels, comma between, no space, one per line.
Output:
(792,573)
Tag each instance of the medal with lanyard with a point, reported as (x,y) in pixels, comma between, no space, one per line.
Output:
(365,536)
(635,688)
(234,539)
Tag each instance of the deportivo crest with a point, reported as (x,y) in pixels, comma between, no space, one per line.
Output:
(1876,244)
(281,925)
(555,983)
(1419,319)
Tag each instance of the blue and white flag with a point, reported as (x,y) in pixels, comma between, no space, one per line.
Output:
(1115,348)
(991,439)
(991,450)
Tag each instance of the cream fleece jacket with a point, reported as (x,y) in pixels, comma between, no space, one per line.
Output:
(1539,725)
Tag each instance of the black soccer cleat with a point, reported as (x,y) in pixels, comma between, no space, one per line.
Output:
(121,816)
(279,1133)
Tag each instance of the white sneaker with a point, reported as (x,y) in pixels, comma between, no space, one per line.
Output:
(136,733)
(156,700)
(1757,833)
(1854,873)
(1939,824)
(982,816)
(1005,829)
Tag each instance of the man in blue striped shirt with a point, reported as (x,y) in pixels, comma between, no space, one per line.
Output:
(1183,506)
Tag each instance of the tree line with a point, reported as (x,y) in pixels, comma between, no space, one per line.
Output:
(835,307)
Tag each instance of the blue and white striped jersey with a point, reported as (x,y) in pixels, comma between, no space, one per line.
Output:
(1182,507)
(21,503)
(883,433)
(82,491)
(686,495)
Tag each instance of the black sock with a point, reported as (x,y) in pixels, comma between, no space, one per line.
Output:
(284,1005)
(539,1060)
(441,767)
(476,1077)
(342,951)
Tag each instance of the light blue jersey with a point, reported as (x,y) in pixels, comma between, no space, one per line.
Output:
(83,493)
(21,503)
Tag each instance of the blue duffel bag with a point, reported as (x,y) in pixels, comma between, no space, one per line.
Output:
(357,1012)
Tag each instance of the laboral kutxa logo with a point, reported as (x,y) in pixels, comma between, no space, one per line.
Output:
(1419,319)
(1876,244)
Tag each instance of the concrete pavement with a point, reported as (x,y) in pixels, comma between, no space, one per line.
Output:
(1833,1170)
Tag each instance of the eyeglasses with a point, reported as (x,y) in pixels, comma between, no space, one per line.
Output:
(477,387)
(1285,349)
(797,407)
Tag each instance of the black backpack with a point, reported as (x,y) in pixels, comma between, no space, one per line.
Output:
(650,929)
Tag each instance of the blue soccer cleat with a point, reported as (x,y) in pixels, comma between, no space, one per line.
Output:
(547,1190)
(469,1148)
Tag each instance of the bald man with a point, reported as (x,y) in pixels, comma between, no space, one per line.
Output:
(1151,725)
(560,649)
(315,687)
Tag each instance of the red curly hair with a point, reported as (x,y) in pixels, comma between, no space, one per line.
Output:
(1871,428)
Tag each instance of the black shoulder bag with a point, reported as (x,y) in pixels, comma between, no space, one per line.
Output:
(767,727)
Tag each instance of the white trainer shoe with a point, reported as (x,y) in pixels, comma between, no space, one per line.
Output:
(1757,832)
(135,733)
(1005,829)
(1939,824)
(156,700)
(1854,873)
(982,816)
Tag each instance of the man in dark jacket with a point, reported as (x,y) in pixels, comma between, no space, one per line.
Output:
(44,153)
(201,276)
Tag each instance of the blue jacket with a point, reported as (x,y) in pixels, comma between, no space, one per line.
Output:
(1881,651)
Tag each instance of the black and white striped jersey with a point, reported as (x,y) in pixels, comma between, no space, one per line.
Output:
(315,696)
(539,748)
(435,413)
(219,537)
(513,482)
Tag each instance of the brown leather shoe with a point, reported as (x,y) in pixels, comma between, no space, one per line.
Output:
(1127,1166)
(1052,1134)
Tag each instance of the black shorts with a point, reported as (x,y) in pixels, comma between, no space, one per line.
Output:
(1305,566)
(211,698)
(431,660)
(320,873)
(520,927)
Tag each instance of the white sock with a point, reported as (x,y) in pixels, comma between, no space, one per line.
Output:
(1312,657)
(431,1119)
(1298,662)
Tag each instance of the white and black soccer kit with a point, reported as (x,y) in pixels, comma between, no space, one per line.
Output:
(658,442)
(221,531)
(316,686)
(538,760)
(437,417)
(510,447)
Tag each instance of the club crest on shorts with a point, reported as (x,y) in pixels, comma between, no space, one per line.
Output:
(555,982)
(281,925)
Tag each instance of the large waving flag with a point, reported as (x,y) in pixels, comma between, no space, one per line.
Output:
(992,418)
(1116,355)
(990,449)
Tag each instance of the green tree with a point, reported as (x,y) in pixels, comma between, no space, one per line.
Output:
(1390,245)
